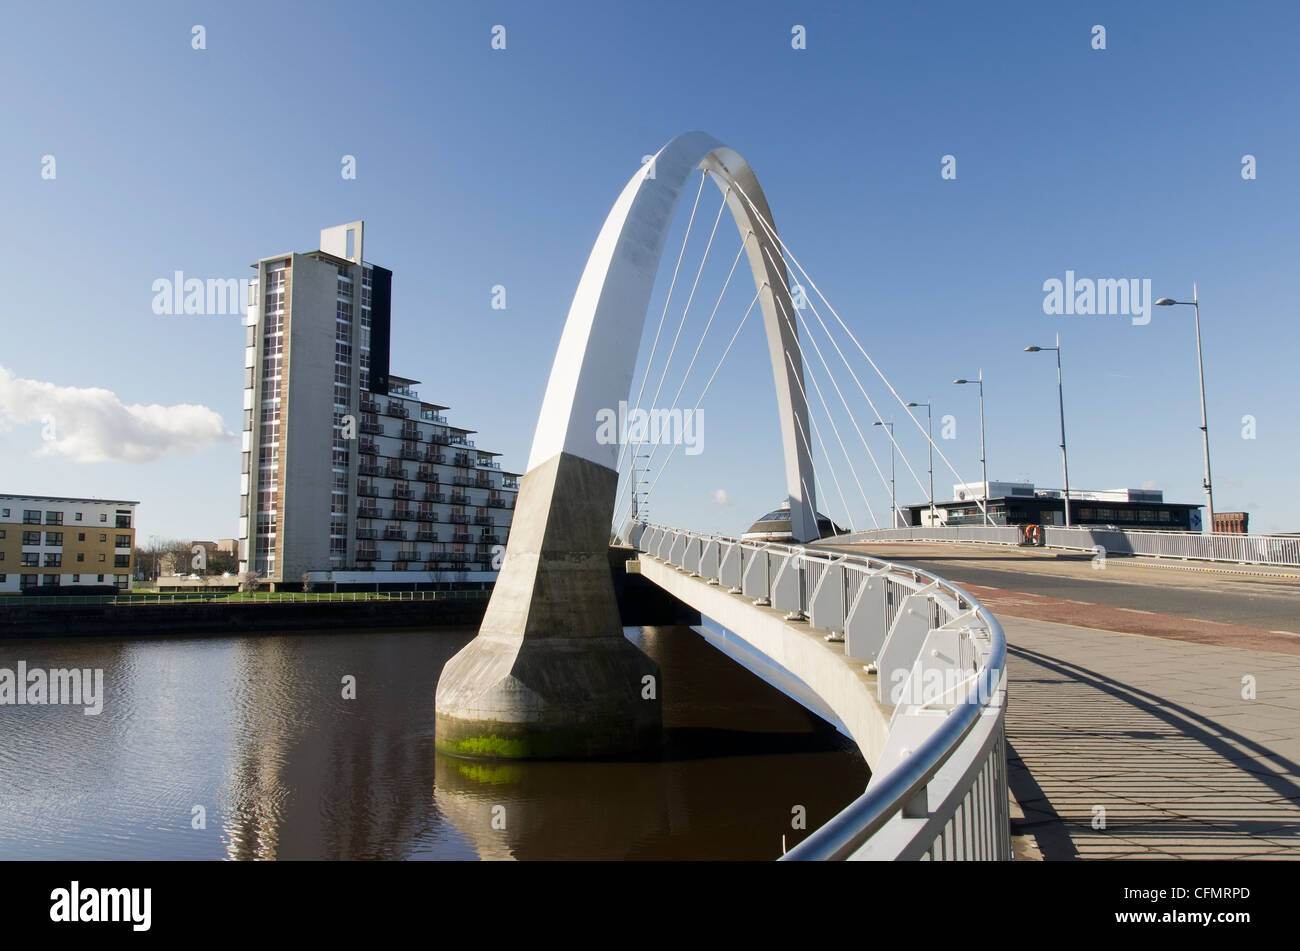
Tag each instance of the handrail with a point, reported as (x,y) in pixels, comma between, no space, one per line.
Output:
(890,793)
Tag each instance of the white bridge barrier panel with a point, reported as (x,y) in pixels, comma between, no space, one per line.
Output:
(939,787)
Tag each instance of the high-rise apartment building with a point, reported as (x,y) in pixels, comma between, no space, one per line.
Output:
(345,468)
(52,542)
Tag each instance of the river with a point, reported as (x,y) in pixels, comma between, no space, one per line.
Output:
(246,748)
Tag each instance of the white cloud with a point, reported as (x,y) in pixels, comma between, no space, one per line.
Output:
(720,496)
(88,424)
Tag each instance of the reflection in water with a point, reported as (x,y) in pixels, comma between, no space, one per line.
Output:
(256,731)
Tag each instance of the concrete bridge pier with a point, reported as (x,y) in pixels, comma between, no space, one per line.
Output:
(550,675)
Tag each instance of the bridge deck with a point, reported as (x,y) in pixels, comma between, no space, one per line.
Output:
(1157,734)
(1120,701)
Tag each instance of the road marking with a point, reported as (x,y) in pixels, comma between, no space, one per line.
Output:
(1137,611)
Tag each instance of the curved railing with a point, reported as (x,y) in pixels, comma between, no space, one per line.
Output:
(939,786)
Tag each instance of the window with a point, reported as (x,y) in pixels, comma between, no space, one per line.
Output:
(2,556)
(77,517)
(50,581)
(2,533)
(53,560)
(4,513)
(100,578)
(76,579)
(54,538)
(81,536)
(31,538)
(31,517)
(101,557)
(4,578)
(103,518)
(31,559)
(28,581)
(81,556)
(120,561)
(123,521)
(122,541)
(53,518)
(103,537)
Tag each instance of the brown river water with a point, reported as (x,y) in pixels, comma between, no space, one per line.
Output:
(245,748)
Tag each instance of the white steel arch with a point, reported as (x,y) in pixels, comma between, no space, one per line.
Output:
(598,349)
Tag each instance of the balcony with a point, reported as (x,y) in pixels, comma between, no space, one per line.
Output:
(483,483)
(486,539)
(462,537)
(368,533)
(393,533)
(435,457)
(408,556)
(457,556)
(397,409)
(410,431)
(439,439)
(372,426)
(410,452)
(459,518)
(394,472)
(465,481)
(423,516)
(370,406)
(426,536)
(369,469)
(434,497)
(497,503)
(369,511)
(462,459)
(403,515)
(367,448)
(485,462)
(401,493)
(367,554)
(459,440)
(484,520)
(509,482)
(458,498)
(369,491)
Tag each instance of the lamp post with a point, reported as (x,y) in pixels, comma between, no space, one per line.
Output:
(153,543)
(1060,393)
(929,430)
(1194,303)
(893,506)
(984,493)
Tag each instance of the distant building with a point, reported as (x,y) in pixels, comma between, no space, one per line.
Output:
(346,470)
(775,526)
(1020,503)
(54,542)
(1233,523)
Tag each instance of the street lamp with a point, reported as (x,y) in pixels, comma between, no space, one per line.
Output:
(1200,369)
(929,429)
(893,506)
(983,462)
(1060,393)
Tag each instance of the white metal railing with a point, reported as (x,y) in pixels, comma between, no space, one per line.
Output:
(1281,550)
(939,787)
(238,598)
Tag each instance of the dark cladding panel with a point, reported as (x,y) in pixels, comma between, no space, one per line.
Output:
(381,323)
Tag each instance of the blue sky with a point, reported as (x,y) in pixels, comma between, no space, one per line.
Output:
(478,167)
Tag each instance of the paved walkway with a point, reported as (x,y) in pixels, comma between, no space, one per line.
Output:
(1131,746)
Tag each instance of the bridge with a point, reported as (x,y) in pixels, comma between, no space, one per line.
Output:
(903,660)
